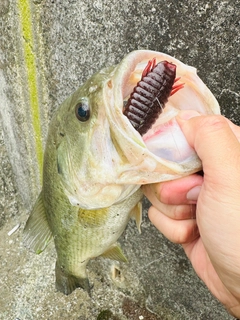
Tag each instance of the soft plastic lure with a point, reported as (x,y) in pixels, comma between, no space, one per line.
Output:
(151,93)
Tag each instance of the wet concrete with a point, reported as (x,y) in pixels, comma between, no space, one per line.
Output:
(71,39)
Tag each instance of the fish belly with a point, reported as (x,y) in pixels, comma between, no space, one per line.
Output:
(81,235)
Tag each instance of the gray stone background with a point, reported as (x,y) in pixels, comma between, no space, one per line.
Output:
(71,39)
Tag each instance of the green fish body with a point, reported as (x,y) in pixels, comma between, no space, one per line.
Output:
(95,163)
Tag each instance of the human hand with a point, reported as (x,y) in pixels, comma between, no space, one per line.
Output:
(203,213)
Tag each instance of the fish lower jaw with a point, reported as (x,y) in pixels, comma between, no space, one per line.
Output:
(103,197)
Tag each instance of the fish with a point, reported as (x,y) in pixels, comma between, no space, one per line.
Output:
(95,163)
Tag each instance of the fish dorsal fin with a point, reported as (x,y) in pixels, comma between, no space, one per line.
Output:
(37,234)
(136,213)
(114,253)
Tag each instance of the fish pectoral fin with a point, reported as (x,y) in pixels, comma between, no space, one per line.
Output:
(37,234)
(136,213)
(114,253)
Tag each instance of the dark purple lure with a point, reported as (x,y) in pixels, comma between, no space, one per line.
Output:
(150,95)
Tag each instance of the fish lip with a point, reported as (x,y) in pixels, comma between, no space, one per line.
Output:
(133,60)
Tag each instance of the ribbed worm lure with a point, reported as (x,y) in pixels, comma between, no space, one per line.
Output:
(151,93)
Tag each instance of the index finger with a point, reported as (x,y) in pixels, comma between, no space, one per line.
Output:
(174,192)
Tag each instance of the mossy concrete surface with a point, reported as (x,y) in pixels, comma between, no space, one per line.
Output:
(48,48)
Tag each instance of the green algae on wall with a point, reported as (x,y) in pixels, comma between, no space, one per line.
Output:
(30,64)
(23,94)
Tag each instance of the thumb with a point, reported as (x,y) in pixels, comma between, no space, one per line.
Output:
(215,143)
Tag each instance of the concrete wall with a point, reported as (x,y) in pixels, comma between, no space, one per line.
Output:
(47,49)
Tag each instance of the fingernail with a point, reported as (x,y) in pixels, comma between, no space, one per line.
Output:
(188,114)
(193,193)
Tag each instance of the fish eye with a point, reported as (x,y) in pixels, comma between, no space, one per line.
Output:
(82,111)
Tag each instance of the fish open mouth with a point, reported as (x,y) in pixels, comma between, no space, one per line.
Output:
(154,88)
(147,102)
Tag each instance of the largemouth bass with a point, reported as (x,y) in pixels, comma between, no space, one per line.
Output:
(95,163)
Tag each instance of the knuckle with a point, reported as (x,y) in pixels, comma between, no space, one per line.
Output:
(209,128)
(178,212)
(184,233)
(179,236)
(213,123)
(184,211)
(163,194)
